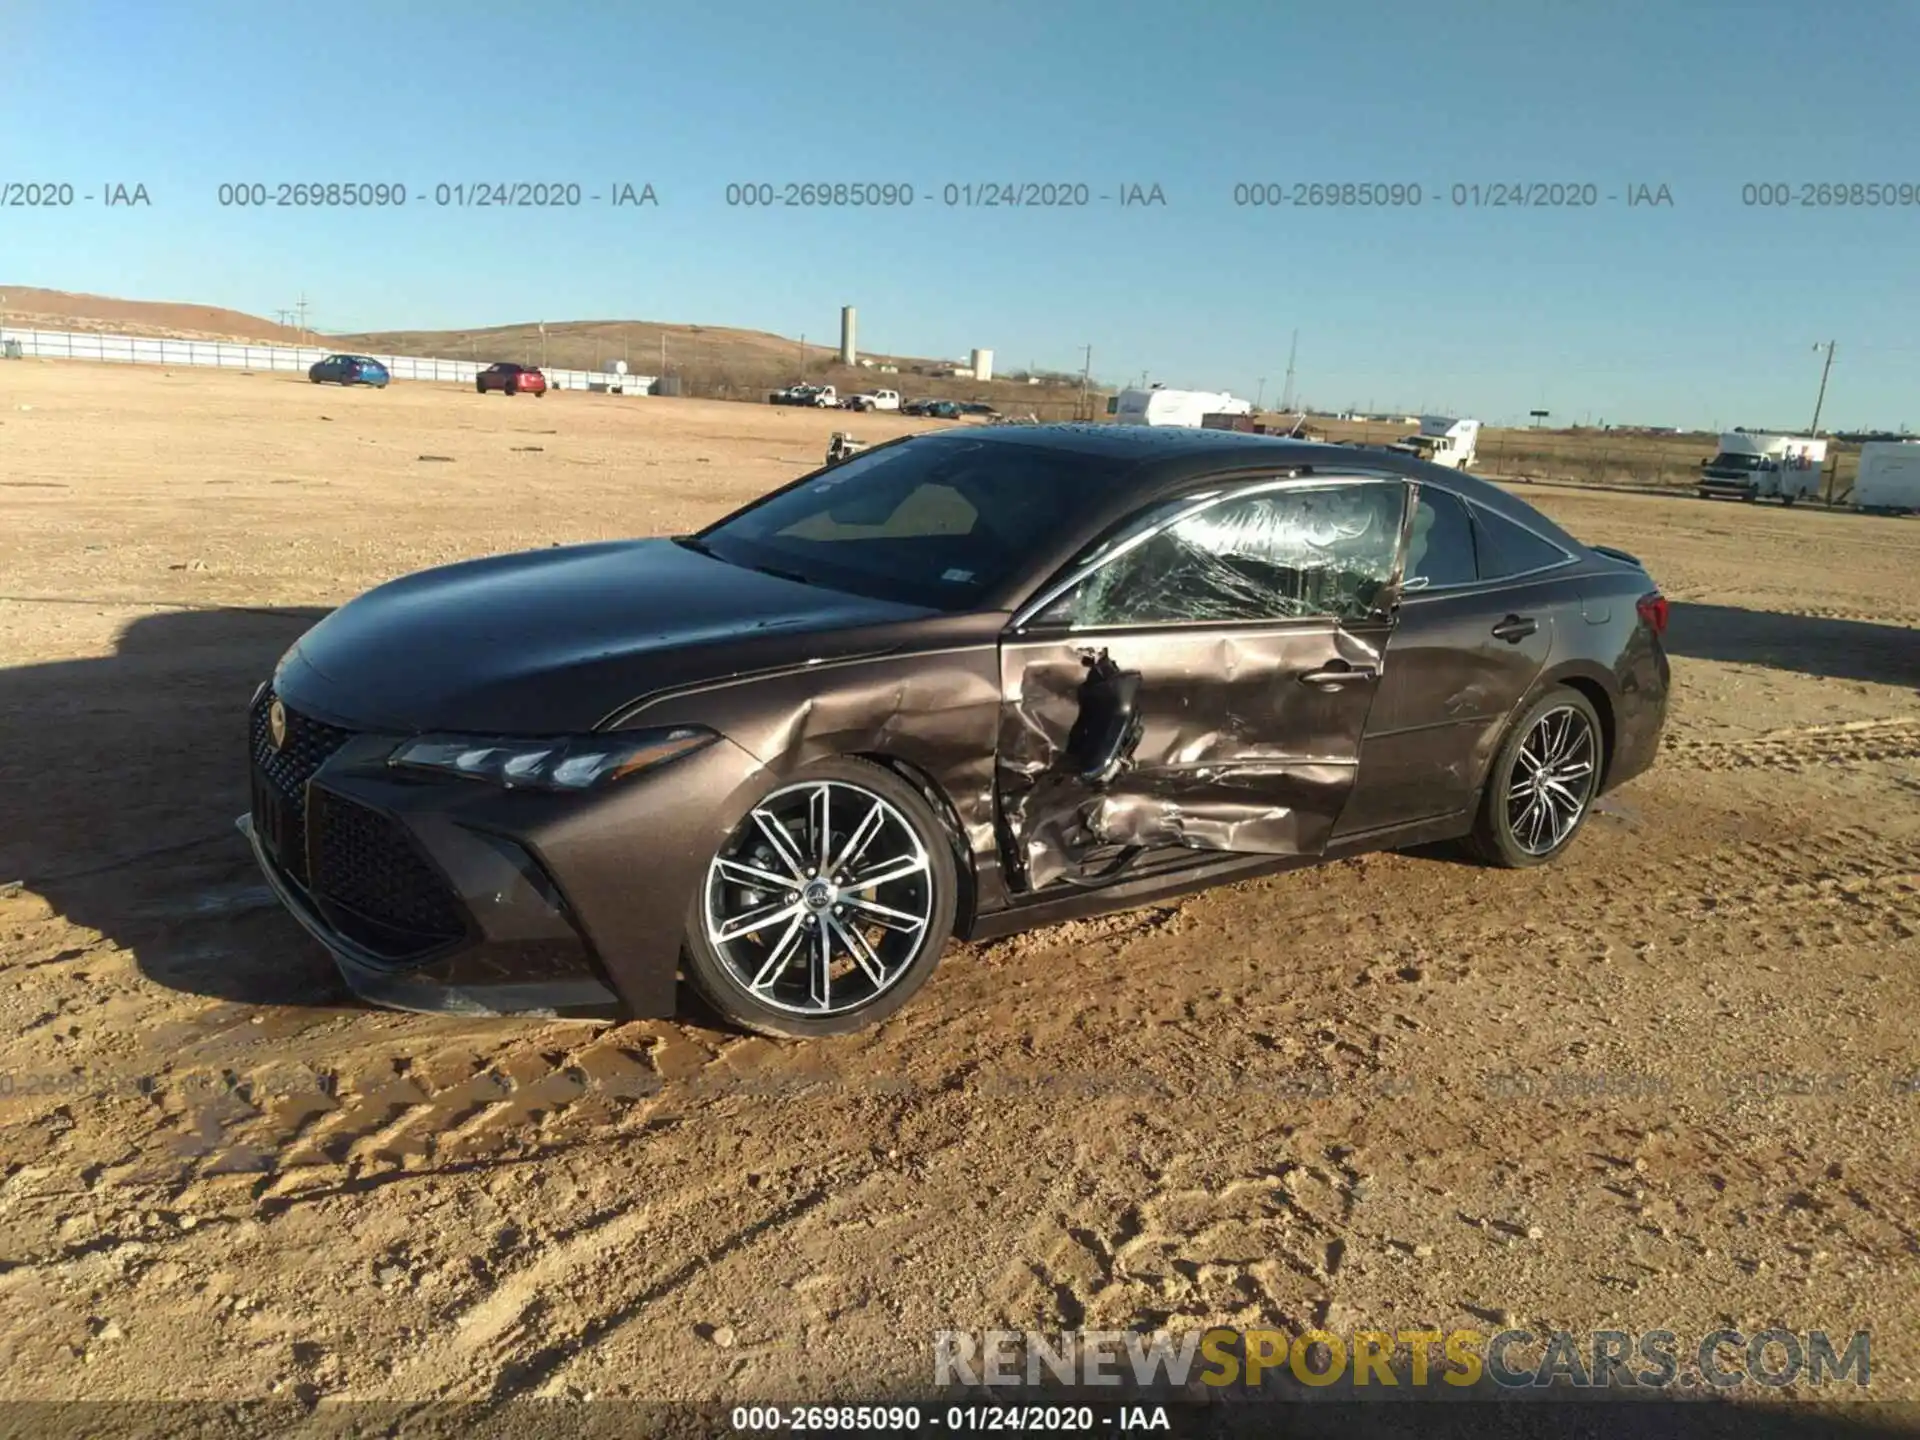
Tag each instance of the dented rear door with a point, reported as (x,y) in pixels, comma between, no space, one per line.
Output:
(1205,685)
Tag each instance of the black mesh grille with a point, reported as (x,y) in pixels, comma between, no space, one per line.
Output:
(374,885)
(280,814)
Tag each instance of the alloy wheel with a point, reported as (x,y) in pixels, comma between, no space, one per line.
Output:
(1552,780)
(821,899)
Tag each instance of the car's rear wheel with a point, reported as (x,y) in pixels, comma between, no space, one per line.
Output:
(1543,782)
(827,905)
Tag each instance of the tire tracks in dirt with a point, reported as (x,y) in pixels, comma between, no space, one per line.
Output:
(1853,742)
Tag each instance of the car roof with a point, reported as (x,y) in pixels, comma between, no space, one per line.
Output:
(1152,460)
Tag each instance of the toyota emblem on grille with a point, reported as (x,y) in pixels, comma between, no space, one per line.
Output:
(277,724)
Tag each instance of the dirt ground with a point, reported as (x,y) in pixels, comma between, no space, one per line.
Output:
(1669,1083)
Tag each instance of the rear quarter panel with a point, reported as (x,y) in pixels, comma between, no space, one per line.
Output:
(1606,645)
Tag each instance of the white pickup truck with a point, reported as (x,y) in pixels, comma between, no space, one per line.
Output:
(872,400)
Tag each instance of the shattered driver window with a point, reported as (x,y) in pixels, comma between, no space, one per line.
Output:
(1282,555)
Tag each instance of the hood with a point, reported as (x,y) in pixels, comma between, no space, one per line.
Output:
(553,641)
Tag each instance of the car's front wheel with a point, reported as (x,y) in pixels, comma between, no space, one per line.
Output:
(1543,782)
(827,905)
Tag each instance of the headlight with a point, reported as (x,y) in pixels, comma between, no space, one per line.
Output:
(576,762)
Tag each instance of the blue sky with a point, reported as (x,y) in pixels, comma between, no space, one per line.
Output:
(1702,311)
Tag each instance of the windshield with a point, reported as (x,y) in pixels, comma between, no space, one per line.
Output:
(1726,460)
(930,522)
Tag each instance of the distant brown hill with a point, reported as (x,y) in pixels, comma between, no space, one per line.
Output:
(33,309)
(711,360)
(645,345)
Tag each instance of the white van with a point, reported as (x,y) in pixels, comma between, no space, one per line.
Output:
(1753,466)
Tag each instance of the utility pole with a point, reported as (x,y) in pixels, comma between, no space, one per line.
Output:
(1261,393)
(1814,429)
(303,315)
(1286,399)
(803,357)
(1086,373)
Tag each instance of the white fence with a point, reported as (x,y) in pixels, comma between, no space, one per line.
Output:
(239,355)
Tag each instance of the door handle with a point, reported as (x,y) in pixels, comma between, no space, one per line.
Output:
(1338,673)
(1515,628)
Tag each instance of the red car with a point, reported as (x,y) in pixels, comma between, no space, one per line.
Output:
(511,379)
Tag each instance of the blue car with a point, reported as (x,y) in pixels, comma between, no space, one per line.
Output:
(350,370)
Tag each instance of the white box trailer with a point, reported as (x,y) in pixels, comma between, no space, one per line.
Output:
(1889,479)
(1442,440)
(1752,466)
(1159,406)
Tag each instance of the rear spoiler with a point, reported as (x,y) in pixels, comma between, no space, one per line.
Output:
(1613,554)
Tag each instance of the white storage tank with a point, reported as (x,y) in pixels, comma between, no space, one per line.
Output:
(982,364)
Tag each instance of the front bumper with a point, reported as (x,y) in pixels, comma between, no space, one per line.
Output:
(431,988)
(450,895)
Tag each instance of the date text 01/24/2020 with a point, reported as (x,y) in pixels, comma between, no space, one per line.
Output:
(968,195)
(392,194)
(1493,195)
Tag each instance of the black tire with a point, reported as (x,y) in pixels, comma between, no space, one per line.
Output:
(935,890)
(479,387)
(1787,500)
(1494,839)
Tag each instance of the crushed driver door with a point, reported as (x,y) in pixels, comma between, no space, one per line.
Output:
(1201,681)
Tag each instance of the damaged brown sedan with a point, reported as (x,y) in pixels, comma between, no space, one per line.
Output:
(955,685)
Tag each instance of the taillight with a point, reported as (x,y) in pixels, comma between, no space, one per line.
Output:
(1653,612)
